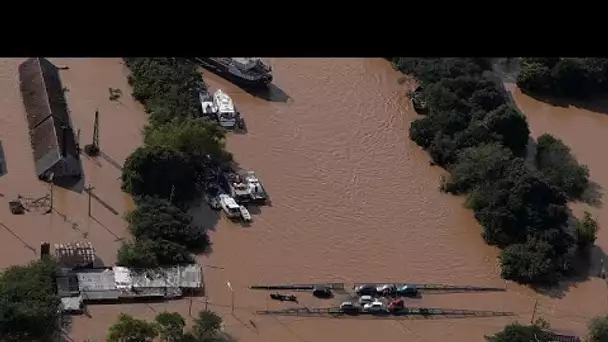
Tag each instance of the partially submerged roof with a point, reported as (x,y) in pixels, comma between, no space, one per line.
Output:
(51,133)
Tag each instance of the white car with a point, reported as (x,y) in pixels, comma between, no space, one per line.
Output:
(386,288)
(366,299)
(374,306)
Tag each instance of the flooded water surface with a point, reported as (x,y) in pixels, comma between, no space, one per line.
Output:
(353,200)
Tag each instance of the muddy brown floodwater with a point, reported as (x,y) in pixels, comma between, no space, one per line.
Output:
(353,200)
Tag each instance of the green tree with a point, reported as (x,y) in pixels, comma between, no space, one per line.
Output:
(193,137)
(476,165)
(529,263)
(517,332)
(598,329)
(160,171)
(535,78)
(170,326)
(570,78)
(129,329)
(168,87)
(30,308)
(586,231)
(156,218)
(555,160)
(472,131)
(207,325)
(147,254)
(509,127)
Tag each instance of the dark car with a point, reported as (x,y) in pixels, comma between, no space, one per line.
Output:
(322,292)
(366,290)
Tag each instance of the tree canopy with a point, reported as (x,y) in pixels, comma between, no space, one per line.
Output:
(166,174)
(30,309)
(598,329)
(169,326)
(586,231)
(481,139)
(156,218)
(129,329)
(561,169)
(563,77)
(517,332)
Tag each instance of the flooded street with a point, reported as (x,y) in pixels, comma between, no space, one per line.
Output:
(353,200)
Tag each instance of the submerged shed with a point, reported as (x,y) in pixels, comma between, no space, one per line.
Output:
(52,137)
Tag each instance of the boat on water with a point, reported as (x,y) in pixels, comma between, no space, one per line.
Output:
(246,71)
(258,193)
(229,206)
(245,215)
(284,297)
(246,187)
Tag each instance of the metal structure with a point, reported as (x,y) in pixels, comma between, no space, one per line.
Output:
(336,312)
(299,287)
(438,287)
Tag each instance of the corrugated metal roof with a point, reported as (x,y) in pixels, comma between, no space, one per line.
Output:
(96,280)
(72,303)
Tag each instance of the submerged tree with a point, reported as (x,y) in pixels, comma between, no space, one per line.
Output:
(29,307)
(193,137)
(598,329)
(162,172)
(129,329)
(555,160)
(586,231)
(517,332)
(170,326)
(207,325)
(156,218)
(147,254)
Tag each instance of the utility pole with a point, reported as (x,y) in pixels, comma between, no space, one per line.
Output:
(52,187)
(89,189)
(93,150)
(534,312)
(190,306)
(96,130)
(231,295)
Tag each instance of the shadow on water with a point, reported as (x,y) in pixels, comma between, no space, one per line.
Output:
(12,232)
(3,169)
(76,185)
(596,104)
(271,93)
(587,265)
(593,194)
(110,161)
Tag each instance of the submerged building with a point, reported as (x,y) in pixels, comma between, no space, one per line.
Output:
(52,137)
(77,287)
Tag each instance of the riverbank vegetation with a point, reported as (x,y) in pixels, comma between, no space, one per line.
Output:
(576,78)
(166,174)
(169,327)
(30,308)
(474,132)
(540,331)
